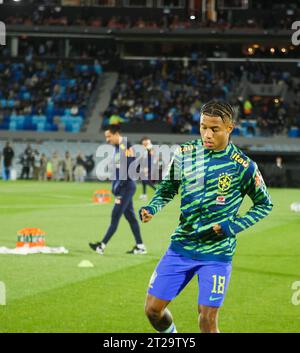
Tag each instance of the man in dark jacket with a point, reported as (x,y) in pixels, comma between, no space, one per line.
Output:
(8,156)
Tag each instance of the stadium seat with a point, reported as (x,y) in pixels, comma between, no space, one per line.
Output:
(294,132)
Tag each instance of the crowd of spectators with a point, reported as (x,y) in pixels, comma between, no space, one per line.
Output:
(254,20)
(36,88)
(265,73)
(166,91)
(173,92)
(274,115)
(148,91)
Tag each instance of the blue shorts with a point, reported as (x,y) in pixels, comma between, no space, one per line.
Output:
(175,271)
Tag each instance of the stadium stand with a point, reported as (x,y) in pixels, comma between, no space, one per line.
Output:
(173,92)
(68,71)
(261,16)
(45,97)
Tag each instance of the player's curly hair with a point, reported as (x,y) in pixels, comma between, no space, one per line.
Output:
(221,109)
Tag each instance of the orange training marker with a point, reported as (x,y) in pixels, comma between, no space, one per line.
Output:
(31,237)
(102,196)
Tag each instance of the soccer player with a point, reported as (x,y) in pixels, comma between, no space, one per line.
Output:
(148,162)
(123,191)
(215,177)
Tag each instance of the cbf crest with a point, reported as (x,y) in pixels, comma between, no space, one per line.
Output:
(224,182)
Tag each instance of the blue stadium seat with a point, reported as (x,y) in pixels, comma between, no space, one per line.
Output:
(195,130)
(39,119)
(236,131)
(41,126)
(11,103)
(149,116)
(26,96)
(13,126)
(294,132)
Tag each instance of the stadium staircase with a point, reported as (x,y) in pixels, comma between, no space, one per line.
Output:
(91,130)
(103,95)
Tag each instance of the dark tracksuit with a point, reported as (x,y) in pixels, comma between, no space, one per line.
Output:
(123,191)
(8,155)
(148,161)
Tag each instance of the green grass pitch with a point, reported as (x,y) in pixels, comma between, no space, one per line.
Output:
(50,293)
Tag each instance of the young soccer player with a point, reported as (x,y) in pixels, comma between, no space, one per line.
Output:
(215,176)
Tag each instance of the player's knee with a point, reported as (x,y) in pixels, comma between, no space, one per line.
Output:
(152,312)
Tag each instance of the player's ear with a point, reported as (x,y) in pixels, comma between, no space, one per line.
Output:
(230,127)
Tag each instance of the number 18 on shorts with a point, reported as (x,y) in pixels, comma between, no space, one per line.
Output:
(175,271)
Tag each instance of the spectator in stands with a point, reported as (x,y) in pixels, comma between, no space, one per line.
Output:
(35,165)
(43,167)
(98,67)
(247,109)
(56,165)
(89,164)
(140,23)
(116,119)
(8,156)
(278,173)
(68,167)
(28,150)
(49,172)
(79,171)
(74,110)
(114,23)
(27,162)
(96,22)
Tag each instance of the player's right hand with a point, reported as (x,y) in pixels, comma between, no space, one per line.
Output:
(146,216)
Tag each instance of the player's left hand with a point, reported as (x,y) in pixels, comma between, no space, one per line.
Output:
(218,229)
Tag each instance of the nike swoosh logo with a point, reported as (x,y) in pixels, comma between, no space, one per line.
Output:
(214,298)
